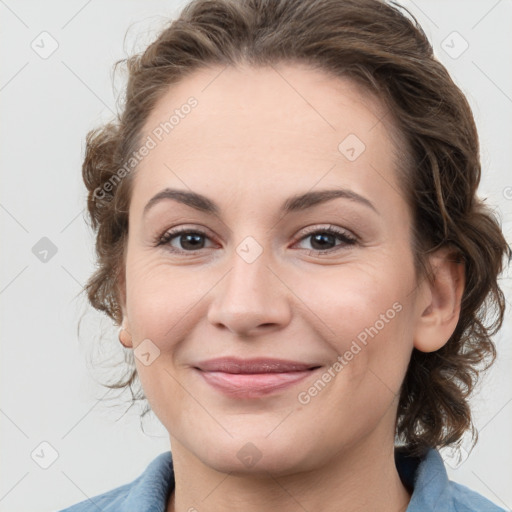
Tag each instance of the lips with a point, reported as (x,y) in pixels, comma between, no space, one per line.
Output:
(234,365)
(253,378)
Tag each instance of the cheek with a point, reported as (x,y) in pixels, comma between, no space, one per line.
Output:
(365,314)
(165,302)
(154,296)
(353,299)
(366,319)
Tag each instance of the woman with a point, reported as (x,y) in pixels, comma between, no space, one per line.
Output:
(289,236)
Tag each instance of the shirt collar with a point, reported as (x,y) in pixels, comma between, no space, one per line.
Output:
(425,477)
(151,490)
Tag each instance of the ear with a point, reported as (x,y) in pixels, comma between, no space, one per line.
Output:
(121,290)
(440,301)
(125,336)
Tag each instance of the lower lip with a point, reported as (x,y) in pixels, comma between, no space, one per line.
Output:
(253,385)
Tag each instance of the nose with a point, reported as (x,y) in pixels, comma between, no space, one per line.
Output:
(251,299)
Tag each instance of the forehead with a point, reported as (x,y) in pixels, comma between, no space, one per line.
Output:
(264,123)
(292,95)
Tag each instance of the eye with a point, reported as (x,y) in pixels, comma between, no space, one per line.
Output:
(324,240)
(188,240)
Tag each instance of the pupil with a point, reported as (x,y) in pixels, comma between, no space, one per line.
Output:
(193,239)
(322,238)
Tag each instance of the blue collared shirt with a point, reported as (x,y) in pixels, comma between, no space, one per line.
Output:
(426,477)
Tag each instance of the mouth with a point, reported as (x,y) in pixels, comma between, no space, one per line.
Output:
(253,378)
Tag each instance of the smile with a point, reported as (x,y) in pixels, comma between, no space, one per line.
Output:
(253,378)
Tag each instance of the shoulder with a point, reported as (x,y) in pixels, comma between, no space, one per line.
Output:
(146,492)
(432,490)
(110,500)
(467,500)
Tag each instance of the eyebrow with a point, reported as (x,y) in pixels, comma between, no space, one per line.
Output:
(295,203)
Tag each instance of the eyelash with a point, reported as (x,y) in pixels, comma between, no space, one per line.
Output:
(347,239)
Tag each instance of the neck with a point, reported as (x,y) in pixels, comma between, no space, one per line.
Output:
(358,479)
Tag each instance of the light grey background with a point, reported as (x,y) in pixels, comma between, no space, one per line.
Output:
(47,106)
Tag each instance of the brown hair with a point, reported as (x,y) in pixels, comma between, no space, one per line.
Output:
(387,52)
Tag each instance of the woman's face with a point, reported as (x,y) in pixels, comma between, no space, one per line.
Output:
(324,281)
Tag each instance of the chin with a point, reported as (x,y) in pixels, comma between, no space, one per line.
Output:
(255,455)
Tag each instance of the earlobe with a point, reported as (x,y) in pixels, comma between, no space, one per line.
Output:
(125,337)
(441,301)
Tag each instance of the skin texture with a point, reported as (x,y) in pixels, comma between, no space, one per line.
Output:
(256,138)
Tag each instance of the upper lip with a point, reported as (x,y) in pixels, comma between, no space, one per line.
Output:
(258,365)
